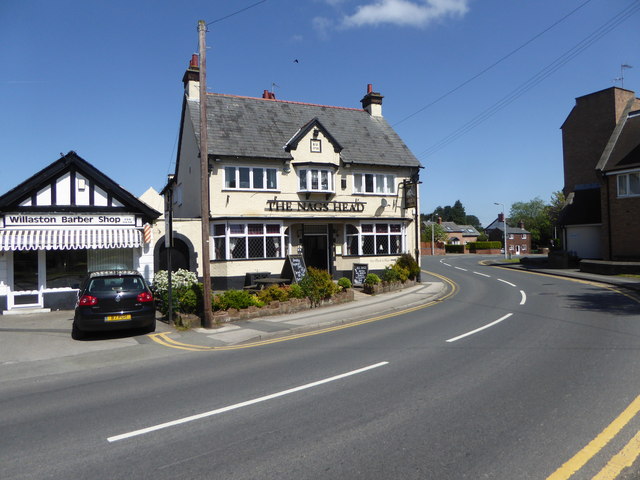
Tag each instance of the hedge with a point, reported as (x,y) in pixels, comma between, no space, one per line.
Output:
(484,245)
(454,248)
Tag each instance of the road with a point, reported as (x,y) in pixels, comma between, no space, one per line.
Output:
(508,378)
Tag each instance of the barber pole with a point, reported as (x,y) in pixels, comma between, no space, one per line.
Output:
(147,233)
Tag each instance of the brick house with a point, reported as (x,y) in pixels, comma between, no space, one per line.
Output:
(458,234)
(601,156)
(518,239)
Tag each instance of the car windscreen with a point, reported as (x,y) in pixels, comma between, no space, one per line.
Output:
(116,284)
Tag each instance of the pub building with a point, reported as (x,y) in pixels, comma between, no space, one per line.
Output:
(335,185)
(63,222)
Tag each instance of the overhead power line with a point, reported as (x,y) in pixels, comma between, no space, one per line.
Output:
(494,64)
(236,12)
(559,62)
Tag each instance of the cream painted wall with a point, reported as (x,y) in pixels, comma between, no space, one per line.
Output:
(188,174)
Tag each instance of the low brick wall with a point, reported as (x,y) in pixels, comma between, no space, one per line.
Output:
(604,267)
(279,308)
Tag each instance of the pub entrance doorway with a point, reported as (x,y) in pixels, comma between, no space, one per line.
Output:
(315,246)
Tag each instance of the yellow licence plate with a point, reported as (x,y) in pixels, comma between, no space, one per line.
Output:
(117,318)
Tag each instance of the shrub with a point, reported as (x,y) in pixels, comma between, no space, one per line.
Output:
(317,285)
(372,279)
(295,291)
(273,293)
(407,261)
(344,283)
(238,299)
(390,274)
(186,292)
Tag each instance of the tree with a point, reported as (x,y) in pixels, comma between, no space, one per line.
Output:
(438,233)
(458,215)
(539,218)
(473,221)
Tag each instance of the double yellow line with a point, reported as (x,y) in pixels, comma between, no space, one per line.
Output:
(165,340)
(629,453)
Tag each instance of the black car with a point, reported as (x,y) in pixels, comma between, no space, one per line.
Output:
(114,300)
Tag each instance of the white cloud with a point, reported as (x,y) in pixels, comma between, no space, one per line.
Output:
(405,13)
(322,26)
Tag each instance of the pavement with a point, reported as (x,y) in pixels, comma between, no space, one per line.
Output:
(45,337)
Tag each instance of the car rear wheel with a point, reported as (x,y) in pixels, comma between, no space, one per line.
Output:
(151,328)
(76,333)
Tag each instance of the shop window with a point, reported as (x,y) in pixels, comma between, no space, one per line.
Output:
(629,184)
(66,268)
(250,240)
(110,259)
(315,180)
(375,239)
(250,178)
(374,183)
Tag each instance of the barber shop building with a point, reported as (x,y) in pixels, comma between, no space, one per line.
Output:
(336,185)
(65,221)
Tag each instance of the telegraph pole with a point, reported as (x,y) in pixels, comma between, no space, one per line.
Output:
(207,321)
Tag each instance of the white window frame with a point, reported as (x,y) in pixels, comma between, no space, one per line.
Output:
(251,187)
(306,180)
(623,182)
(227,236)
(361,234)
(381,183)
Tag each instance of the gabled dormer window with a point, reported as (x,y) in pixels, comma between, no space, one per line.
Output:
(315,180)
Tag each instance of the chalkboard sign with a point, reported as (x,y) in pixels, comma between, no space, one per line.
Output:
(359,273)
(294,268)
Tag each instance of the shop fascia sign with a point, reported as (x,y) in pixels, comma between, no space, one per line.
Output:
(276,205)
(67,219)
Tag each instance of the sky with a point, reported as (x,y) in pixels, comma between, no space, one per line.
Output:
(477,89)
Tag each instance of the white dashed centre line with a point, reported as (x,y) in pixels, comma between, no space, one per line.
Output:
(482,274)
(479,329)
(242,404)
(504,281)
(524,297)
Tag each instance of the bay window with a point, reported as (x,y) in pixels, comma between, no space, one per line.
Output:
(315,180)
(247,240)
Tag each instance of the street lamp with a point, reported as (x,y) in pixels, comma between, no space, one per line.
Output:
(504,219)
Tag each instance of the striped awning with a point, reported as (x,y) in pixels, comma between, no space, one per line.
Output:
(69,239)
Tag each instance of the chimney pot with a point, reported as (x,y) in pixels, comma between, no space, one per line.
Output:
(369,88)
(195,61)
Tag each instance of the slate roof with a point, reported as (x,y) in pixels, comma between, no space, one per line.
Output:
(582,208)
(499,225)
(623,148)
(452,227)
(260,128)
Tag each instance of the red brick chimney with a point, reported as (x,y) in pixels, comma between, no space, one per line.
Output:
(521,224)
(266,94)
(372,102)
(501,217)
(191,78)
(439,220)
